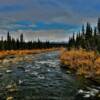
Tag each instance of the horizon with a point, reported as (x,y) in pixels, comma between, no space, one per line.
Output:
(4,38)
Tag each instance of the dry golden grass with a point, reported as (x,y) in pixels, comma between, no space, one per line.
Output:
(14,56)
(23,52)
(84,62)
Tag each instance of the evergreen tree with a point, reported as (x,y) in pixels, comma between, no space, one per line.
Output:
(88,31)
(8,37)
(2,44)
(95,31)
(83,30)
(98,25)
(89,40)
(8,43)
(21,41)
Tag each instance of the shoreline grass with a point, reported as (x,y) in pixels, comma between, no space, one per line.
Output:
(14,56)
(24,52)
(86,63)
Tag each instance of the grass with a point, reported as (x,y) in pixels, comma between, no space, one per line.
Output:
(14,56)
(84,62)
(4,53)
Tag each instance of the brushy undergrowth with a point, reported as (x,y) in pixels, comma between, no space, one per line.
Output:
(7,53)
(84,62)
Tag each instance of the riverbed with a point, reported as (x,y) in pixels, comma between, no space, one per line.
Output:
(43,78)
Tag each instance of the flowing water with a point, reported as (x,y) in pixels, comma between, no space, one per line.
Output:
(44,79)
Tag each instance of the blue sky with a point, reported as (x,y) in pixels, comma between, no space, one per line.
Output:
(53,20)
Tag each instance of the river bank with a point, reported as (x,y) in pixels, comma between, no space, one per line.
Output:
(14,56)
(85,63)
(42,78)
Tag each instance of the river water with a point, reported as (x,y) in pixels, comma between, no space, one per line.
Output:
(44,79)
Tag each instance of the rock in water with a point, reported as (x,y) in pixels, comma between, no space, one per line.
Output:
(11,88)
(1,74)
(27,70)
(68,72)
(21,68)
(9,98)
(20,82)
(80,91)
(8,71)
(86,96)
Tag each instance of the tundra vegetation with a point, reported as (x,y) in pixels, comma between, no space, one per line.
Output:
(20,44)
(83,52)
(16,47)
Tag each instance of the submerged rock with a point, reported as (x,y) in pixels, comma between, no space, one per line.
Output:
(41,77)
(80,91)
(21,68)
(5,61)
(10,98)
(1,74)
(10,57)
(11,88)
(99,95)
(68,72)
(91,92)
(27,70)
(34,73)
(8,71)
(87,96)
(20,82)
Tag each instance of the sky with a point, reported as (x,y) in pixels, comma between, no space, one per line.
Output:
(53,20)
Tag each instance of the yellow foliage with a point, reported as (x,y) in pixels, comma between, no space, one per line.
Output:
(24,52)
(97,60)
(19,55)
(84,62)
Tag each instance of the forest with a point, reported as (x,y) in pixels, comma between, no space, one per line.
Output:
(88,38)
(19,44)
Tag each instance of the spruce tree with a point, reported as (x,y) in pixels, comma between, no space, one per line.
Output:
(88,31)
(98,25)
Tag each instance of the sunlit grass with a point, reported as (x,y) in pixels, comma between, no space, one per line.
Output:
(84,62)
(14,56)
(23,52)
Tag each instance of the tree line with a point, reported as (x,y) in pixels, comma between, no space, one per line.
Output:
(88,38)
(19,44)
